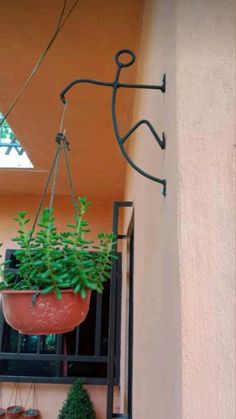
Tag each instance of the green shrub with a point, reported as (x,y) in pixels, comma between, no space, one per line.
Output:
(53,261)
(78,404)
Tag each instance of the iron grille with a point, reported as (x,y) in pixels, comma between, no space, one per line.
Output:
(60,358)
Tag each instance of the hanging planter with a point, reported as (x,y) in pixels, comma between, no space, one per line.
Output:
(48,314)
(56,270)
(31,413)
(2,412)
(14,411)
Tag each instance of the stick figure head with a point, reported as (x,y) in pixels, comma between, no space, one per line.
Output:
(128,58)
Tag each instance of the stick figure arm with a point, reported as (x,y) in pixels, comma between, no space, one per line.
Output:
(79,81)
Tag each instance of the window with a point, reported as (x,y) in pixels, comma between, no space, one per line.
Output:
(12,154)
(59,358)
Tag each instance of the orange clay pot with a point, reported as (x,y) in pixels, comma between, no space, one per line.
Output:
(48,315)
(11,414)
(2,412)
(35,414)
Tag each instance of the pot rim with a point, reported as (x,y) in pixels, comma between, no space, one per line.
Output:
(64,291)
(37,412)
(14,405)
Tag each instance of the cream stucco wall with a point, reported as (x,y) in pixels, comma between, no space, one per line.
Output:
(51,397)
(206,138)
(157,312)
(184,328)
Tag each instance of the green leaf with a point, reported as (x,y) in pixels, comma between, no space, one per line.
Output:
(77,288)
(83,293)
(47,289)
(71,225)
(58,293)
(92,286)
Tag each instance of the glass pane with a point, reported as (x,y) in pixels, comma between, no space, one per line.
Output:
(48,344)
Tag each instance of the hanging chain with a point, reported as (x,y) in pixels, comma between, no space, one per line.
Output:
(55,174)
(62,144)
(63,116)
(32,390)
(20,398)
(12,395)
(35,400)
(27,399)
(62,20)
(0,394)
(15,391)
(45,189)
(72,191)
(59,139)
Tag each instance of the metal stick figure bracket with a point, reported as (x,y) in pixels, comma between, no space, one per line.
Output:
(115,85)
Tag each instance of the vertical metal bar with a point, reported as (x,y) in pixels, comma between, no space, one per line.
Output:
(112,336)
(111,330)
(130,336)
(58,344)
(59,340)
(19,343)
(38,344)
(1,328)
(118,316)
(77,341)
(98,325)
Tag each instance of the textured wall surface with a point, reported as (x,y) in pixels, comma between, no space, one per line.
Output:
(206,138)
(157,311)
(184,340)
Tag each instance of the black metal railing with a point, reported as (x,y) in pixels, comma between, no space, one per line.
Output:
(60,358)
(114,342)
(12,145)
(91,351)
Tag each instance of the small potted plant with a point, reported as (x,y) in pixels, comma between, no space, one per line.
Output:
(14,411)
(56,273)
(31,413)
(2,412)
(78,404)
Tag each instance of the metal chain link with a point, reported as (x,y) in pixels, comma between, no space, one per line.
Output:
(62,143)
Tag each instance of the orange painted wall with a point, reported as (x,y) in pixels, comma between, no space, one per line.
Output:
(51,397)
(100,214)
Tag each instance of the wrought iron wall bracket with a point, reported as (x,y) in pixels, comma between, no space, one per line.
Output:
(161,141)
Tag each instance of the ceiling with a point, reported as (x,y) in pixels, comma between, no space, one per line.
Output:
(85,48)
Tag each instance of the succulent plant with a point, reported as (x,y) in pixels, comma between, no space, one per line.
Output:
(53,261)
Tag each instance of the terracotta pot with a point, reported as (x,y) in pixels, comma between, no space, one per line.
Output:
(35,413)
(2,412)
(14,414)
(48,315)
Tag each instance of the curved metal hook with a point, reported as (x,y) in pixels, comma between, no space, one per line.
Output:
(115,85)
(121,140)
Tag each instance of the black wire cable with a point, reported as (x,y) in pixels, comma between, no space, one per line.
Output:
(58,150)
(70,179)
(60,24)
